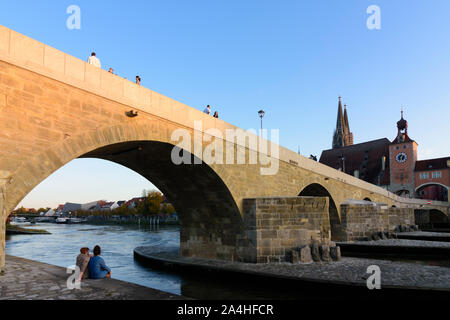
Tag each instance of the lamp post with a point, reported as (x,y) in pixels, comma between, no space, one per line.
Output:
(261,115)
(343,162)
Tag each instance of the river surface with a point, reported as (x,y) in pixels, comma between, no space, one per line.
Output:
(118,242)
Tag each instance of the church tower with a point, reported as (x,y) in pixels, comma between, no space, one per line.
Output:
(402,159)
(342,136)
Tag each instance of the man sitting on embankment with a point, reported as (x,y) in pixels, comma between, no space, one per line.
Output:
(97,266)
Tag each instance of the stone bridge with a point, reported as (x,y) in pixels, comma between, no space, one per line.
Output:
(55,108)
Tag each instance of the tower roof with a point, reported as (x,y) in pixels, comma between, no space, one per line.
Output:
(402,124)
(347,126)
(342,136)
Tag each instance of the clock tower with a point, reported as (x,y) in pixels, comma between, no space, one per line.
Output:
(402,161)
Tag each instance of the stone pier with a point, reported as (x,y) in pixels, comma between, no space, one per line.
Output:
(3,217)
(361,219)
(275,226)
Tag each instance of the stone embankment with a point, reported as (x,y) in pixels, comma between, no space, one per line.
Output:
(347,271)
(30,280)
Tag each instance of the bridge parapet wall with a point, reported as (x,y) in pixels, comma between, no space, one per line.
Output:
(362,220)
(275,226)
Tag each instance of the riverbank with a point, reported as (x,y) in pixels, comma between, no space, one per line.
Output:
(14,229)
(31,280)
(343,279)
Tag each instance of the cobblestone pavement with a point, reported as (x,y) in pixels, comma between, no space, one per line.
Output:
(404,243)
(30,280)
(426,234)
(348,270)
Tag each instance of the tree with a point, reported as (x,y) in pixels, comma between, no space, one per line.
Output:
(151,205)
(168,209)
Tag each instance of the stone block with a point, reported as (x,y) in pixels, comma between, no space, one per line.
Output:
(335,253)
(27,49)
(92,75)
(325,253)
(54,60)
(305,254)
(315,254)
(74,68)
(4,40)
(293,256)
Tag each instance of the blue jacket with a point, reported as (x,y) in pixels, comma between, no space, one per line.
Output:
(98,268)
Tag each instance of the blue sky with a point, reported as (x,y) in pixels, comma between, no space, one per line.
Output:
(291,58)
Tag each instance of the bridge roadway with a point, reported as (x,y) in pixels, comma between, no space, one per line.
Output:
(55,108)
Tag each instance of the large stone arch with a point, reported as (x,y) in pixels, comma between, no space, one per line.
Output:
(317,190)
(210,217)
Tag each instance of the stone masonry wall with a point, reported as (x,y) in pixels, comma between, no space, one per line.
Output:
(363,220)
(3,217)
(275,226)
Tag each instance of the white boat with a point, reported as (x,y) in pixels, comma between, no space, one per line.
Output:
(62,220)
(45,219)
(20,219)
(74,220)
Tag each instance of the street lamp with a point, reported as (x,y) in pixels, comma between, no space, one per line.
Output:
(261,115)
(343,162)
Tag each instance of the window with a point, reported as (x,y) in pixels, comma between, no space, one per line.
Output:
(405,146)
(436,174)
(424,175)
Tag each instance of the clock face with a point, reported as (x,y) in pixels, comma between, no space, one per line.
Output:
(401,157)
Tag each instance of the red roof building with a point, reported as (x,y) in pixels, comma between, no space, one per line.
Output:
(392,165)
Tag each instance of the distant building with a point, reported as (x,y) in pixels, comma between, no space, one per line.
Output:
(391,165)
(117,204)
(133,203)
(342,136)
(70,207)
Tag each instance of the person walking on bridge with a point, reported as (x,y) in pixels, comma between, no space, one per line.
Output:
(94,60)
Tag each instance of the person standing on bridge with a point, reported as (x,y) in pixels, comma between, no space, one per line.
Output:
(97,266)
(216,115)
(207,109)
(94,60)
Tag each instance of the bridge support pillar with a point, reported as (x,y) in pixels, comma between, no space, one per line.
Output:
(2,243)
(3,217)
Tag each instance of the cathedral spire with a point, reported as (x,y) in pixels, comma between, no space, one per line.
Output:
(346,118)
(342,135)
(338,138)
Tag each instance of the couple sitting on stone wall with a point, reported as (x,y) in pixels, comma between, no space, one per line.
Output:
(93,267)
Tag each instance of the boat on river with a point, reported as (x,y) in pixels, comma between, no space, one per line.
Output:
(19,220)
(76,220)
(62,220)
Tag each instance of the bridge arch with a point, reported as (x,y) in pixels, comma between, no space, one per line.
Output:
(209,215)
(367,199)
(432,191)
(437,216)
(317,190)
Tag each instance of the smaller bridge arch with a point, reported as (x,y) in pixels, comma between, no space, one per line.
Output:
(431,183)
(317,190)
(432,191)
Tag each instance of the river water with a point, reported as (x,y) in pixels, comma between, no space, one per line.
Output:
(118,242)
